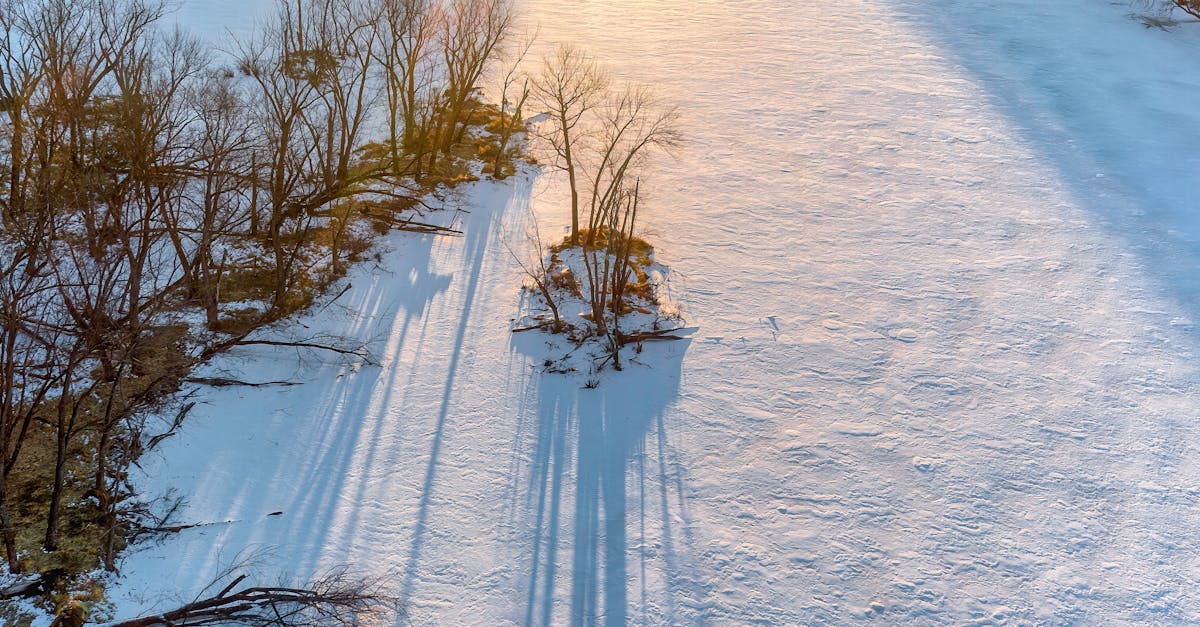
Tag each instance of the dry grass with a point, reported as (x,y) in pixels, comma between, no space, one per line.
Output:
(564,279)
(160,362)
(639,249)
(639,252)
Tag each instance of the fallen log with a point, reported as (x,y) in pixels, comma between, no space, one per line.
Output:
(648,336)
(221,382)
(34,585)
(424,227)
(540,325)
(336,599)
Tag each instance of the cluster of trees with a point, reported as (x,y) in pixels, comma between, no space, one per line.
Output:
(599,135)
(142,177)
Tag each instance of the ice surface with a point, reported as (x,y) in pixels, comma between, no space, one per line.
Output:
(942,257)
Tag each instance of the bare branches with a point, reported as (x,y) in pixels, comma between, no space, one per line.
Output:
(509,122)
(1191,7)
(601,137)
(140,181)
(336,599)
(570,87)
(537,272)
(631,122)
(472,30)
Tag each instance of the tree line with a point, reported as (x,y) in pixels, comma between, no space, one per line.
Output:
(148,181)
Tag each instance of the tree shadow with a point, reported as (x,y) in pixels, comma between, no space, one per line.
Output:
(299,442)
(412,284)
(1117,122)
(595,560)
(480,227)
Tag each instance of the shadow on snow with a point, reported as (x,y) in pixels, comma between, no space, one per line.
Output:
(609,449)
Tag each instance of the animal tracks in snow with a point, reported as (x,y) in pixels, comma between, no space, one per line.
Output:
(859,332)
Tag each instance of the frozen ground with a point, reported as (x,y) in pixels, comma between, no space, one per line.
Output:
(943,259)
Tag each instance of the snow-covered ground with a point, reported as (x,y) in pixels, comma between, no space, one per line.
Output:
(943,259)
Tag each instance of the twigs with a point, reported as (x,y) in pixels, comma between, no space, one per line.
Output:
(179,417)
(335,599)
(357,352)
(221,382)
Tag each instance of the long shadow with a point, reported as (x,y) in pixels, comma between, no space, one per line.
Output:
(305,488)
(419,285)
(480,226)
(1106,101)
(336,433)
(597,445)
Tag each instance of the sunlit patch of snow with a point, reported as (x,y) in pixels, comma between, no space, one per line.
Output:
(945,373)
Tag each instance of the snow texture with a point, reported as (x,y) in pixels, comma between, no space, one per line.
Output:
(943,259)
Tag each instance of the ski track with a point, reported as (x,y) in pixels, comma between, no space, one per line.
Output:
(941,260)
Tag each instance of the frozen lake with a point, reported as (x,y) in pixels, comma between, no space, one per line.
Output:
(942,259)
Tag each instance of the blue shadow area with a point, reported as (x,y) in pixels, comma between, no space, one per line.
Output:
(1110,104)
(609,448)
(479,227)
(352,425)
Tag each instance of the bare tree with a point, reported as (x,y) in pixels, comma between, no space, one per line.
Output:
(27,372)
(508,123)
(621,225)
(537,271)
(570,86)
(287,70)
(630,122)
(472,31)
(221,158)
(21,75)
(403,56)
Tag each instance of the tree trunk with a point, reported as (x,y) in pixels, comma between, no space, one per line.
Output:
(570,163)
(7,531)
(60,463)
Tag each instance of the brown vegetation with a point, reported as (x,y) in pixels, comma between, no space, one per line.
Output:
(600,137)
(143,184)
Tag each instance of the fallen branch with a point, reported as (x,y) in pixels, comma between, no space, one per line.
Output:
(221,382)
(178,528)
(648,336)
(345,288)
(333,600)
(357,352)
(424,227)
(179,416)
(540,325)
(240,340)
(35,585)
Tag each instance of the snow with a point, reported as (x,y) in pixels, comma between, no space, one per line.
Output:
(573,348)
(942,256)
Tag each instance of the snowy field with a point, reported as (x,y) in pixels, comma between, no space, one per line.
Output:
(943,257)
